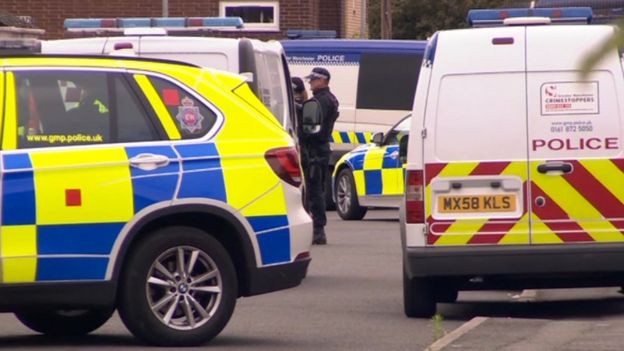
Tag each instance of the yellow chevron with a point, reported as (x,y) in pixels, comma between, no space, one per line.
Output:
(541,234)
(608,175)
(577,207)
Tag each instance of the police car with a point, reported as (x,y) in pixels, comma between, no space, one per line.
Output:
(126,184)
(515,162)
(371,175)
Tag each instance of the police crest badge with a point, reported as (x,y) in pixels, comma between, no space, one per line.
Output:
(189,117)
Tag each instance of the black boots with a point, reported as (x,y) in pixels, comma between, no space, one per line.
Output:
(319,236)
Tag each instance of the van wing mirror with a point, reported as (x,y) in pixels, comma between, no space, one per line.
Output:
(377,138)
(403,148)
(312,117)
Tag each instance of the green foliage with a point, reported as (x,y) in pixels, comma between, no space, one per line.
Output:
(419,19)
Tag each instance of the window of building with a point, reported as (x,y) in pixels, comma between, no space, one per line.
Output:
(256,15)
(60,108)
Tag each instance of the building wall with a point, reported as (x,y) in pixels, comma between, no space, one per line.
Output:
(294,14)
(352,15)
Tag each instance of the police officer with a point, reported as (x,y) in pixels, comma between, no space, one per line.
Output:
(315,152)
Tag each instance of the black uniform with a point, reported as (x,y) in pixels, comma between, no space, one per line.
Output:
(315,154)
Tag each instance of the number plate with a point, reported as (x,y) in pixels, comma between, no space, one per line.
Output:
(476,203)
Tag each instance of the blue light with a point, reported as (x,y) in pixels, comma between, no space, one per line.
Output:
(95,24)
(477,18)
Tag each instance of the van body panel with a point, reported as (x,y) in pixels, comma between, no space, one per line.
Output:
(475,157)
(574,121)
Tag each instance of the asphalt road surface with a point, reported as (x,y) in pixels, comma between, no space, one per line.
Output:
(352,300)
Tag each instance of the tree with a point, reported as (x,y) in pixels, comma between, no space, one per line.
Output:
(419,19)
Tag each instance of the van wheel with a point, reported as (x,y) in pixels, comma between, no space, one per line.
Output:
(65,322)
(347,204)
(418,297)
(178,287)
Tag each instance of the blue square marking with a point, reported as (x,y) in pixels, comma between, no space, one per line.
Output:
(274,246)
(372,179)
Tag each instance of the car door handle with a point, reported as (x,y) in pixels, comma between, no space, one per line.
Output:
(149,162)
(563,167)
(394,155)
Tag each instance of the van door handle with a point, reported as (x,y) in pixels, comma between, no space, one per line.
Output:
(394,155)
(149,162)
(563,167)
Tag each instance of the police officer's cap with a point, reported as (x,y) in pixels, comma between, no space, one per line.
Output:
(318,72)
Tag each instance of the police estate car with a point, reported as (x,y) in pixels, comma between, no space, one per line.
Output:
(126,185)
(371,175)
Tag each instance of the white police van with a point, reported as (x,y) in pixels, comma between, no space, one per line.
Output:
(515,162)
(183,39)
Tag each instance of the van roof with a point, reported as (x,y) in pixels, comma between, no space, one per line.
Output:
(354,46)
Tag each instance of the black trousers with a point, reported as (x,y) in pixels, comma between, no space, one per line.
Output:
(315,164)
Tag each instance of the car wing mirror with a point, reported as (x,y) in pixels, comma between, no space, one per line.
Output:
(378,138)
(403,148)
(312,117)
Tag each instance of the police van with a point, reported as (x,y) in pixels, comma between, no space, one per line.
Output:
(184,39)
(374,81)
(515,162)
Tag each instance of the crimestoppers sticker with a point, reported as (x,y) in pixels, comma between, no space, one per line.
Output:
(569,98)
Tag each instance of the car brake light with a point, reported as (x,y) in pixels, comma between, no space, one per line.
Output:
(414,197)
(285,163)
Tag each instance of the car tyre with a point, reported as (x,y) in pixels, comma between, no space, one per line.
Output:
(347,204)
(418,297)
(178,287)
(65,322)
(330,205)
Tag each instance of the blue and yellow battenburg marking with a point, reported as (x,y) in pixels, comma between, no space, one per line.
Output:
(62,211)
(377,171)
(351,137)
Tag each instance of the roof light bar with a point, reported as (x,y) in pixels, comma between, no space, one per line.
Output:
(169,23)
(488,18)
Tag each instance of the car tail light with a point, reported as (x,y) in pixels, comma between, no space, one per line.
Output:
(285,163)
(414,197)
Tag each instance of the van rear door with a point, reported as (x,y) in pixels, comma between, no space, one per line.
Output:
(575,137)
(475,149)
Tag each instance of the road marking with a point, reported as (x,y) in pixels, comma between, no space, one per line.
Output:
(455,334)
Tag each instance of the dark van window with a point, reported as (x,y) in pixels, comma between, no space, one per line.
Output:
(192,117)
(387,81)
(57,108)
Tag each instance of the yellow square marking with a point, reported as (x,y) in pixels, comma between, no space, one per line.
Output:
(102,176)
(18,241)
(360,184)
(270,204)
(391,181)
(19,270)
(373,159)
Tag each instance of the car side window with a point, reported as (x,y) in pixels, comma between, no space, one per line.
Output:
(192,118)
(398,132)
(62,107)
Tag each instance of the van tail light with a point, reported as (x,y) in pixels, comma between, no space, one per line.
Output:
(285,163)
(414,197)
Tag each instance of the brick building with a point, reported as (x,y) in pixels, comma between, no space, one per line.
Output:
(265,19)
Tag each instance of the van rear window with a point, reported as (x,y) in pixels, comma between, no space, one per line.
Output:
(387,81)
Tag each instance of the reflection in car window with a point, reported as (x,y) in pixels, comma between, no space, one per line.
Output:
(192,118)
(398,131)
(59,107)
